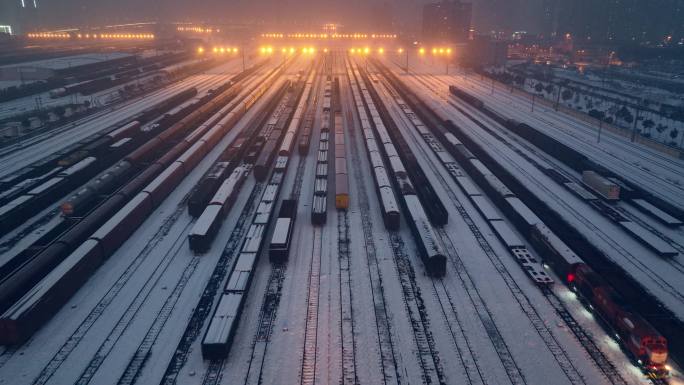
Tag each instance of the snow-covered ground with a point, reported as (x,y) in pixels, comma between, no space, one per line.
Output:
(485,322)
(659,275)
(70,61)
(24,153)
(660,174)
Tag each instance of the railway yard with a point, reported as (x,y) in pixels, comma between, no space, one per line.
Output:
(338,218)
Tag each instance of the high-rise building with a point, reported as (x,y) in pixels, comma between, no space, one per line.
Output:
(549,18)
(447,21)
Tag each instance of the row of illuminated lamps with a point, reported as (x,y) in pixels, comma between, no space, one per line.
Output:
(219,50)
(48,35)
(422,51)
(291,50)
(326,36)
(197,29)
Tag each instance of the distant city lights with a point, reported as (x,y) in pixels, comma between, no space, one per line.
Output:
(327,36)
(197,29)
(112,36)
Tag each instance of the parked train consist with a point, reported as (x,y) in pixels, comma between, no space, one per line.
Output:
(644,343)
(319,203)
(54,176)
(307,128)
(373,126)
(529,264)
(218,338)
(134,202)
(280,140)
(433,205)
(341,177)
(231,158)
(564,153)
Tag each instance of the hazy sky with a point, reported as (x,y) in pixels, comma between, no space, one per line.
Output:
(487,13)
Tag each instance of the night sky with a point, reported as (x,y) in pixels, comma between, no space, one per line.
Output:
(354,13)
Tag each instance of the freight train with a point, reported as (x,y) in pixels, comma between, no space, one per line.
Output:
(57,174)
(643,342)
(115,219)
(433,205)
(218,338)
(430,251)
(341,177)
(571,157)
(319,203)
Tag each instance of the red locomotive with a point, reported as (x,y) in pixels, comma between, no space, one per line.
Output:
(638,337)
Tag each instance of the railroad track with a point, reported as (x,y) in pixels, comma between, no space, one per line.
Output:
(65,135)
(267,315)
(467,354)
(628,256)
(556,349)
(346,309)
(640,265)
(500,134)
(428,357)
(390,357)
(585,339)
(99,309)
(308,366)
(133,308)
(506,358)
(33,226)
(144,350)
(664,182)
(344,262)
(204,307)
(507,137)
(669,164)
(271,299)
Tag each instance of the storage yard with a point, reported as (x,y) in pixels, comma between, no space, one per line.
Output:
(332,218)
